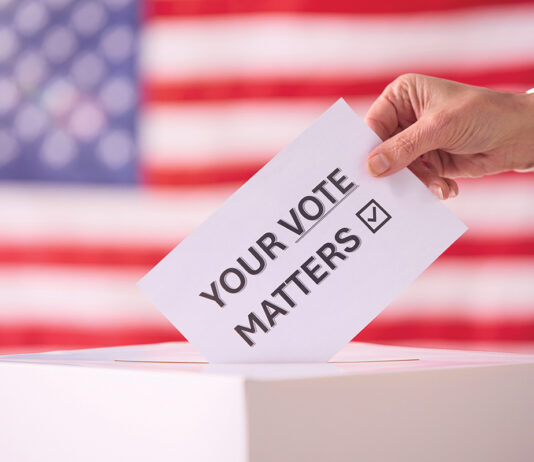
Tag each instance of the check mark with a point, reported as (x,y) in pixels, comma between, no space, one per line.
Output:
(373,218)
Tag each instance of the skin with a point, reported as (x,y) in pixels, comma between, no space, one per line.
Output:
(442,130)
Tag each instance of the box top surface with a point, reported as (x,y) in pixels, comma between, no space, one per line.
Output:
(354,359)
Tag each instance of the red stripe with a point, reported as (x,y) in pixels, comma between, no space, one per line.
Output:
(491,247)
(225,171)
(82,254)
(200,175)
(69,337)
(155,91)
(72,337)
(502,330)
(146,256)
(174,8)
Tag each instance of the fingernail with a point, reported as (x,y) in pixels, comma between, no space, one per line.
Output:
(437,190)
(452,193)
(378,164)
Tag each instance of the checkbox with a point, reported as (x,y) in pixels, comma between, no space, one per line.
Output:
(373,215)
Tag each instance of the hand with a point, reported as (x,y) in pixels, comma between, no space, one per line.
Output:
(442,130)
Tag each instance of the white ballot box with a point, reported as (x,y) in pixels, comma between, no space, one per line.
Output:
(164,403)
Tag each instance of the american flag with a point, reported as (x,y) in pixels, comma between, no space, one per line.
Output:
(123,125)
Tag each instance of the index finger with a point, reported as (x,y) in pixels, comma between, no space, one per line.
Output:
(382,117)
(393,110)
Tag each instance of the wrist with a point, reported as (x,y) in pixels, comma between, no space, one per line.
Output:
(523,145)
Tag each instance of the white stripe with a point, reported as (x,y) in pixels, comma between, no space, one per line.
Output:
(299,45)
(493,207)
(201,133)
(480,289)
(207,132)
(73,295)
(37,214)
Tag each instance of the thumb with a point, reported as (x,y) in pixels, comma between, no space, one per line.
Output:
(402,149)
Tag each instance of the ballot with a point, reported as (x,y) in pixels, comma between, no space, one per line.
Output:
(305,254)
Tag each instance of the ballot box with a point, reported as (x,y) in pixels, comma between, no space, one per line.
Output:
(163,402)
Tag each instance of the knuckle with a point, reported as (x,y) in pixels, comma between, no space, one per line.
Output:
(402,82)
(406,78)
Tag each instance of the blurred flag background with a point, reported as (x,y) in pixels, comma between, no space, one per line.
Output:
(124,124)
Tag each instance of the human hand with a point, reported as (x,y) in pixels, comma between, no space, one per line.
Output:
(443,130)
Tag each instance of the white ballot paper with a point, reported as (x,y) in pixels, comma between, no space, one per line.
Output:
(305,254)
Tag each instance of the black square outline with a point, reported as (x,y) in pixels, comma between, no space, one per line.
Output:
(372,201)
